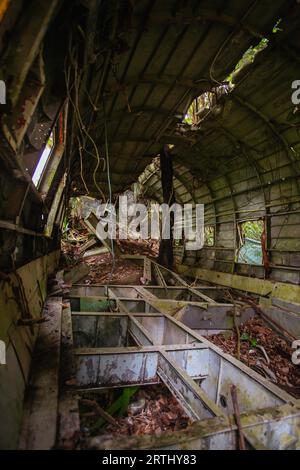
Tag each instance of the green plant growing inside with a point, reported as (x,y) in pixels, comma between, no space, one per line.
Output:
(252,341)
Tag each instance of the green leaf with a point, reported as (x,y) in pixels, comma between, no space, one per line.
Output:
(245,337)
(119,405)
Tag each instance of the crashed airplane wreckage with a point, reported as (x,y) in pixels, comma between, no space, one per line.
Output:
(149,344)
(114,337)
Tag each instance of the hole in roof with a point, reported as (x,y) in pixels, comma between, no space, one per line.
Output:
(251,53)
(204,103)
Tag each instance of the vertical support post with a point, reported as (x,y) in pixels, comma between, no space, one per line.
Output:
(166,257)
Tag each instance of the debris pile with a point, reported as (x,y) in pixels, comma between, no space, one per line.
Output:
(81,241)
(83,234)
(104,271)
(149,248)
(264,351)
(161,413)
(152,410)
(71,244)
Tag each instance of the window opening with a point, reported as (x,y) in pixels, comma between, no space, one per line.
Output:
(209,235)
(250,242)
(44,159)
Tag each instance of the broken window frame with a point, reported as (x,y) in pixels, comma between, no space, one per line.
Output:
(241,237)
(49,150)
(58,134)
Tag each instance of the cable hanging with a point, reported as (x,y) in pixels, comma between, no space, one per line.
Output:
(109,183)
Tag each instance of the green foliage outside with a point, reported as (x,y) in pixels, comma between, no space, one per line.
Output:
(203,101)
(252,52)
(209,236)
(253,229)
(249,57)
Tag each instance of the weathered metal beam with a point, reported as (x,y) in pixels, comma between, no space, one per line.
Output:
(102,367)
(152,305)
(255,390)
(192,398)
(68,426)
(41,406)
(28,286)
(55,206)
(7,225)
(126,291)
(140,335)
(25,45)
(261,287)
(222,368)
(52,169)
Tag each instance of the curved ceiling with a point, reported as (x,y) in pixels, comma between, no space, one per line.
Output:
(132,69)
(243,159)
(156,57)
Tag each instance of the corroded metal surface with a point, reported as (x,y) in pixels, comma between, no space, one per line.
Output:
(197,372)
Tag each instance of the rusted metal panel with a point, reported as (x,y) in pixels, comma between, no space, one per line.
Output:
(285,314)
(101,368)
(20,340)
(139,333)
(175,354)
(254,391)
(273,393)
(155,328)
(214,317)
(193,399)
(194,361)
(99,331)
